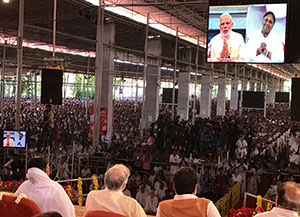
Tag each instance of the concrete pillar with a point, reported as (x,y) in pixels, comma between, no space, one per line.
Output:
(271,94)
(252,86)
(221,96)
(107,77)
(152,84)
(205,100)
(183,95)
(258,86)
(244,85)
(281,87)
(184,86)
(264,87)
(234,95)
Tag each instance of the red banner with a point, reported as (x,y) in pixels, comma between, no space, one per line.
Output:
(103,121)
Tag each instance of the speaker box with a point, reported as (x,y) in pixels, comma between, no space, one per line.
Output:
(167,96)
(52,80)
(295,104)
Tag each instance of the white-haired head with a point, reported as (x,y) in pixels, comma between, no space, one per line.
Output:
(226,25)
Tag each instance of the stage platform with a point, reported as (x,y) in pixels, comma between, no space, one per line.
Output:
(80,211)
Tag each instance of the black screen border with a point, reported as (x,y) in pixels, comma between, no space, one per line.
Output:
(13,130)
(249,2)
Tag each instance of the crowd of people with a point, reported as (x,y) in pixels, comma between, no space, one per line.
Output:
(222,150)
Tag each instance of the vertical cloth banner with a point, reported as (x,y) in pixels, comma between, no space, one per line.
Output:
(103,122)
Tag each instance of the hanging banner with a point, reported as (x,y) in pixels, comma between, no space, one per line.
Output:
(103,122)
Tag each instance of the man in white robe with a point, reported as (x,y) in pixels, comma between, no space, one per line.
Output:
(174,162)
(242,145)
(46,193)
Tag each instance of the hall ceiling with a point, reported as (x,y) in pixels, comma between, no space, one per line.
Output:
(76,29)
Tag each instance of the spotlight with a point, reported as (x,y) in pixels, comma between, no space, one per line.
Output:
(5,1)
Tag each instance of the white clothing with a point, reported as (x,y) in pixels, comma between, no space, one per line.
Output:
(152,178)
(63,171)
(274,45)
(147,188)
(8,143)
(115,202)
(85,172)
(151,204)
(160,193)
(173,160)
(241,151)
(46,193)
(141,197)
(236,179)
(278,212)
(157,184)
(212,210)
(236,46)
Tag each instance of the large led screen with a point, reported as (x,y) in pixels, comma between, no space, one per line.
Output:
(253,33)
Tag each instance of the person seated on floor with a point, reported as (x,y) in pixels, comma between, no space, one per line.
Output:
(46,193)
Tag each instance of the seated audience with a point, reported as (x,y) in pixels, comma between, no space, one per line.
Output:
(151,203)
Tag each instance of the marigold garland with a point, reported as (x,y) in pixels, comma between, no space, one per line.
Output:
(269,206)
(79,186)
(95,182)
(259,208)
(68,190)
(259,201)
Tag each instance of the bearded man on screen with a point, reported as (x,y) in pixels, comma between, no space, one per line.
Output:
(227,45)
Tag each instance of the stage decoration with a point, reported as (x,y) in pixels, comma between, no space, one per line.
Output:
(71,195)
(242,212)
(9,186)
(79,185)
(95,182)
(259,208)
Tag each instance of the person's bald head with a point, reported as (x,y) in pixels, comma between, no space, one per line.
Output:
(288,196)
(116,177)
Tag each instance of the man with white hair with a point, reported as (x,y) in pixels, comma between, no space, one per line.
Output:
(287,201)
(111,199)
(8,142)
(227,45)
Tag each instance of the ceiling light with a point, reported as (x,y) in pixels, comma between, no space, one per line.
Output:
(6,1)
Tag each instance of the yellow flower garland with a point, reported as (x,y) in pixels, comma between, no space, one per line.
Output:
(259,201)
(68,190)
(269,206)
(95,182)
(79,186)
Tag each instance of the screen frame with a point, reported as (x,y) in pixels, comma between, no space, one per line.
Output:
(277,95)
(261,94)
(248,2)
(12,130)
